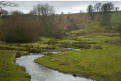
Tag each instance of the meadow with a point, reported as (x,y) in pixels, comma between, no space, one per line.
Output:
(101,61)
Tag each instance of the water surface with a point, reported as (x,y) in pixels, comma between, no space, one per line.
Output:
(41,73)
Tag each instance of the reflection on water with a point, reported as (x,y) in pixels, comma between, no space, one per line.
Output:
(40,73)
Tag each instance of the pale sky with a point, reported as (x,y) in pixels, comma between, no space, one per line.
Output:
(59,6)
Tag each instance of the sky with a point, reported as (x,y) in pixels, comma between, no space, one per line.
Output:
(59,6)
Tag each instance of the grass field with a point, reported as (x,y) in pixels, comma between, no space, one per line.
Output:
(100,64)
(9,71)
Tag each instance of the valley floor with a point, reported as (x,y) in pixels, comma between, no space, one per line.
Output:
(99,57)
(101,61)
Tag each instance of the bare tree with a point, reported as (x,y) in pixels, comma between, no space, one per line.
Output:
(97,7)
(43,9)
(18,28)
(4,12)
(107,7)
(116,9)
(62,13)
(6,3)
(105,15)
(46,16)
(90,11)
(17,13)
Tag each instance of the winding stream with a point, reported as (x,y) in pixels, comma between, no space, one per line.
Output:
(41,73)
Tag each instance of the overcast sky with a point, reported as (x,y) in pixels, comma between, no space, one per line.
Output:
(59,6)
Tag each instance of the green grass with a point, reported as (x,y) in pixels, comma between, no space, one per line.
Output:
(9,71)
(67,40)
(103,65)
(38,46)
(116,19)
(98,39)
(100,64)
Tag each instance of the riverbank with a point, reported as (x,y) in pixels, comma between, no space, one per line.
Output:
(41,73)
(100,62)
(9,71)
(102,65)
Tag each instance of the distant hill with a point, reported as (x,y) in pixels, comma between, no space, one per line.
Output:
(77,20)
(81,20)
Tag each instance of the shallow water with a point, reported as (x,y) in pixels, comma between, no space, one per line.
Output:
(41,73)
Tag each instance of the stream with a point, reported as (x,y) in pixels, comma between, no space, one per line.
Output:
(41,73)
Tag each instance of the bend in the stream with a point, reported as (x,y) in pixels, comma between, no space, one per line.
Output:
(41,73)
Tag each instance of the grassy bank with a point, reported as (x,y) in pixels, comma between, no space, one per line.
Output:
(9,71)
(100,64)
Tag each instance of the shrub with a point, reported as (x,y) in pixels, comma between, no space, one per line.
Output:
(98,47)
(18,29)
(82,44)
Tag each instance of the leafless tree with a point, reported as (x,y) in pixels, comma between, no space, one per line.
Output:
(116,9)
(43,10)
(97,7)
(46,17)
(17,13)
(4,12)
(6,3)
(90,10)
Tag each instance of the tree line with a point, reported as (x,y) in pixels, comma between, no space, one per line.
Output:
(20,27)
(42,21)
(103,12)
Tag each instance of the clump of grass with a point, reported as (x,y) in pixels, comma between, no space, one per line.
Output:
(81,44)
(21,53)
(97,46)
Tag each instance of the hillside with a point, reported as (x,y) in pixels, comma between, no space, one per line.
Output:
(83,20)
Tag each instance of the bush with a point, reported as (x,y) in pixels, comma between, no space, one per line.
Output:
(27,28)
(98,47)
(18,29)
(82,44)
